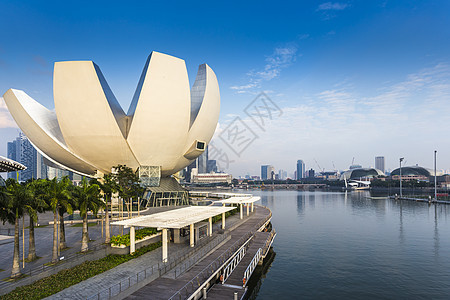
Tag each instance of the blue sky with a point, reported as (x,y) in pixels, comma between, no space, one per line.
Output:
(352,78)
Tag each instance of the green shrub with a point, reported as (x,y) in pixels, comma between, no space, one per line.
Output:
(124,239)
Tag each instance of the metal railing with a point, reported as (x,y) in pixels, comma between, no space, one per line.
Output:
(236,259)
(251,267)
(190,256)
(268,243)
(196,283)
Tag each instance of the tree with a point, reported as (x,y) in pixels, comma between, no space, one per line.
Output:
(34,205)
(18,195)
(109,186)
(58,195)
(129,185)
(88,199)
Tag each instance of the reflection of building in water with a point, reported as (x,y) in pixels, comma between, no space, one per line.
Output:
(301,199)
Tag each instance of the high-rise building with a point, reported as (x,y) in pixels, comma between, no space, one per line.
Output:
(300,169)
(282,175)
(379,163)
(202,162)
(211,166)
(21,150)
(267,172)
(187,174)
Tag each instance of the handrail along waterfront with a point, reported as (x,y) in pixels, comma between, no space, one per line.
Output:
(178,294)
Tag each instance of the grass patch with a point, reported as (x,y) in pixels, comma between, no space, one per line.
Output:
(1,270)
(66,278)
(81,224)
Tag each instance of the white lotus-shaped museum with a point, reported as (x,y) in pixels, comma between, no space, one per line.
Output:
(167,126)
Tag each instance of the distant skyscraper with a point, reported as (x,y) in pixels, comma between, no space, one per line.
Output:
(267,172)
(189,168)
(211,166)
(202,162)
(300,169)
(282,175)
(379,163)
(22,151)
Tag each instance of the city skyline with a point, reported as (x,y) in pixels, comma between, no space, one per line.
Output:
(351,78)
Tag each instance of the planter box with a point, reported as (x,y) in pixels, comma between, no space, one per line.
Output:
(122,249)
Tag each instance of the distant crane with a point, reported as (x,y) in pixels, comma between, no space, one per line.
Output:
(320,168)
(334,167)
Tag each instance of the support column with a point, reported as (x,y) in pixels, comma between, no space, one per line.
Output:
(241,214)
(132,240)
(191,235)
(210,227)
(223,220)
(164,245)
(223,204)
(248,207)
(253,208)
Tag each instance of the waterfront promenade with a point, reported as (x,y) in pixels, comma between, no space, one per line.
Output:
(172,279)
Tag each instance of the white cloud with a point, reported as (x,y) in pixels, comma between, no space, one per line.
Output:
(408,118)
(332,6)
(6,120)
(281,58)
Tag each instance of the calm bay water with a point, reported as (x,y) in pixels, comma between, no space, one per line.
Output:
(338,246)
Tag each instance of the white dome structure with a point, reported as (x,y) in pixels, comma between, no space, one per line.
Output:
(167,126)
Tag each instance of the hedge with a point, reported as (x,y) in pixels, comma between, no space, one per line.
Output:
(124,239)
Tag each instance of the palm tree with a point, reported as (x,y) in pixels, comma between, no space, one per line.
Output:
(18,195)
(88,199)
(65,207)
(34,205)
(108,187)
(58,195)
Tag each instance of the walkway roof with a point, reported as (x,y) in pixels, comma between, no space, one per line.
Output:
(239,200)
(176,218)
(9,165)
(219,194)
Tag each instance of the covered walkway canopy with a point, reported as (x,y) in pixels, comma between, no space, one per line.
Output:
(249,200)
(174,219)
(9,165)
(218,195)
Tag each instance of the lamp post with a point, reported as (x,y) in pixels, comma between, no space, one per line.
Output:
(435,177)
(401,159)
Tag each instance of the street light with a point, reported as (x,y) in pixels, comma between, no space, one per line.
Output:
(401,159)
(435,175)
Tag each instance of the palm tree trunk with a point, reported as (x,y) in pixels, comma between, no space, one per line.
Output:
(15,272)
(55,237)
(31,244)
(85,235)
(107,233)
(62,233)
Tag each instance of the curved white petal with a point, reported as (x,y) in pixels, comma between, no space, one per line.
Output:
(205,91)
(92,122)
(41,126)
(160,112)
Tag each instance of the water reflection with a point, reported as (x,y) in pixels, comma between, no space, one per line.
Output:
(356,246)
(301,199)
